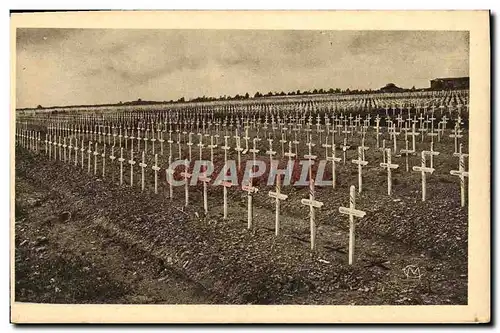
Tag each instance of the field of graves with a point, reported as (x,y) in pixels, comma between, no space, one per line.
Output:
(99,218)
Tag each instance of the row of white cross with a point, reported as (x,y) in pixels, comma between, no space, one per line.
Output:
(360,161)
(30,139)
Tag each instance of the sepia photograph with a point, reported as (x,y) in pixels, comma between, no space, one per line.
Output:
(250,165)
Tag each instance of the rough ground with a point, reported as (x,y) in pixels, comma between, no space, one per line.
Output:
(82,239)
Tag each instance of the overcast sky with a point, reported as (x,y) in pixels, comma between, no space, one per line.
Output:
(95,66)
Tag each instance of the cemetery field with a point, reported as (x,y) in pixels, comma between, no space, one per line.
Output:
(83,238)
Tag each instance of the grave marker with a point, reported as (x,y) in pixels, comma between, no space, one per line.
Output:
(278,196)
(352,212)
(389,166)
(313,204)
(103,155)
(186,176)
(131,162)
(361,163)
(461,173)
(423,169)
(143,165)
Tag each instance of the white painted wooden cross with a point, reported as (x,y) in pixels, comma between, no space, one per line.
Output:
(156,168)
(179,142)
(413,134)
(131,162)
(394,135)
(160,140)
(225,148)
(361,163)
(326,145)
(76,151)
(212,146)
(82,154)
(169,175)
(200,145)
(432,153)
(65,146)
(59,144)
(283,141)
(145,139)
(121,160)
(49,143)
(377,129)
(461,173)
(246,138)
(333,159)
(456,136)
(270,152)
(96,153)
(205,181)
(89,151)
(250,191)
(363,147)
(406,151)
(296,144)
(289,154)
(389,166)
(189,144)
(238,149)
(139,139)
(345,147)
(352,212)
(309,155)
(112,157)
(46,143)
(313,204)
(432,134)
(186,176)
(225,185)
(143,165)
(423,169)
(170,142)
(153,140)
(103,155)
(278,196)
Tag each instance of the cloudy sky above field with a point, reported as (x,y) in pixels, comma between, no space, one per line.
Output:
(94,66)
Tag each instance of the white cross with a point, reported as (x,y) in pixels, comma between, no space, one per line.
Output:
(352,212)
(270,152)
(143,165)
(250,190)
(205,181)
(461,173)
(432,153)
(312,203)
(333,159)
(278,196)
(406,151)
(389,166)
(225,185)
(345,147)
(360,162)
(96,153)
(103,155)
(186,176)
(131,162)
(455,136)
(423,169)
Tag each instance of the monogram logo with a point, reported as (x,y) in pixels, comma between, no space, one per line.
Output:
(412,272)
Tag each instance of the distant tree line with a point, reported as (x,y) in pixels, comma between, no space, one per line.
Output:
(388,88)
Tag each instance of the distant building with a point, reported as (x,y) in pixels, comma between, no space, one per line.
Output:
(450,83)
(391,87)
